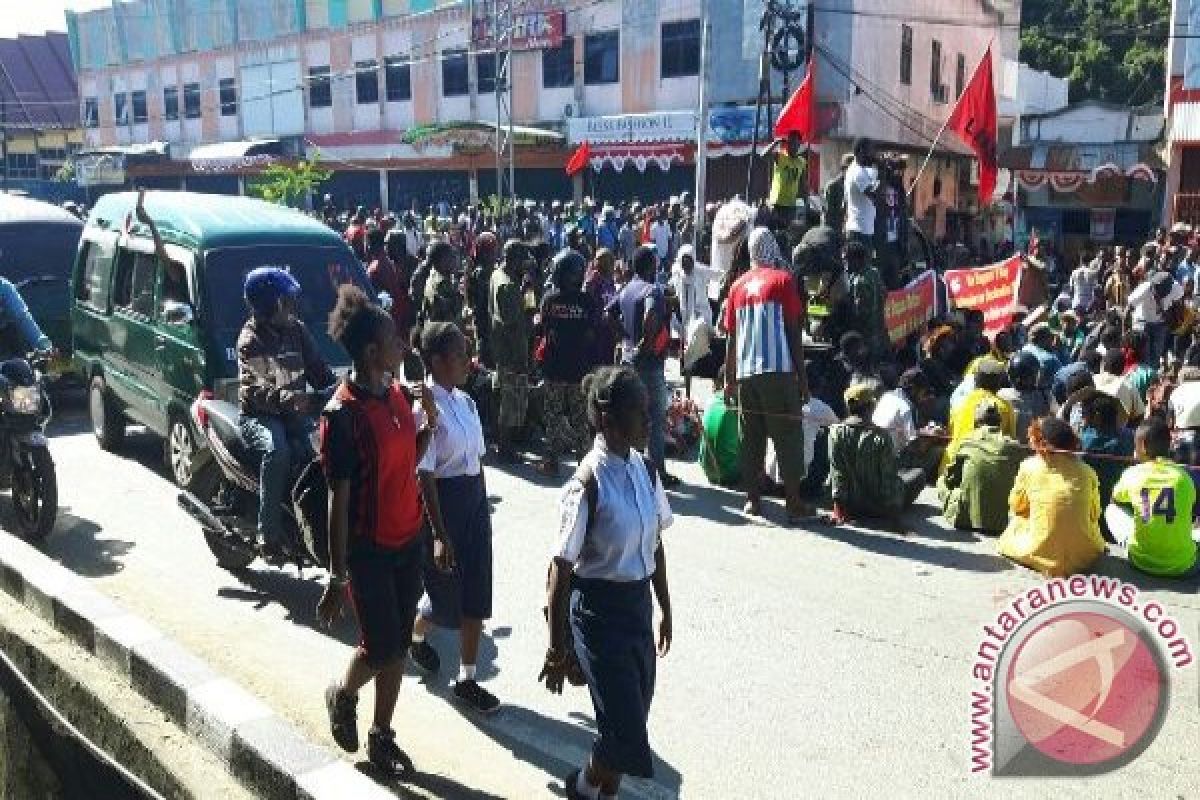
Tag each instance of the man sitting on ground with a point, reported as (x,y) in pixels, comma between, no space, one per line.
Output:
(976,485)
(1161,495)
(864,473)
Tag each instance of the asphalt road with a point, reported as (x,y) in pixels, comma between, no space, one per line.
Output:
(806,663)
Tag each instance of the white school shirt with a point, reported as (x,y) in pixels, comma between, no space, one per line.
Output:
(457,447)
(631,513)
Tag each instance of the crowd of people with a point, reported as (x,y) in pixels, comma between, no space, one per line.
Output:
(552,329)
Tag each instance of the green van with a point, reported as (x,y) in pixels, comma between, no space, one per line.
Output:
(150,338)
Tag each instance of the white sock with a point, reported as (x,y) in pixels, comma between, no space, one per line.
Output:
(585,788)
(467,672)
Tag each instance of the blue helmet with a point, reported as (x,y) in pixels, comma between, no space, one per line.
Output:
(266,286)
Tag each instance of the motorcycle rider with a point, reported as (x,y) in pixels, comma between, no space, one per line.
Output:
(276,359)
(19,336)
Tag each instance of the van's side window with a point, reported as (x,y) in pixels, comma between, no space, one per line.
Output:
(92,286)
(174,284)
(134,289)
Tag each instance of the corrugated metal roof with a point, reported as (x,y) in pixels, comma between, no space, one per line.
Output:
(38,88)
(1185,123)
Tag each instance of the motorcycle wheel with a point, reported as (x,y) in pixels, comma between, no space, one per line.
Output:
(34,492)
(231,555)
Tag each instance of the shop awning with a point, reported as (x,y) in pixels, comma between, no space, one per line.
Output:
(224,156)
(638,155)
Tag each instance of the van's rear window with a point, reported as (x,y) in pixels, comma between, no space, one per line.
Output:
(320,270)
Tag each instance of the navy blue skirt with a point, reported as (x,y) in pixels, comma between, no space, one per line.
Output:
(613,626)
(465,591)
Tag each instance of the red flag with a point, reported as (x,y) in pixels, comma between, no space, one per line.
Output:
(799,113)
(579,159)
(974,120)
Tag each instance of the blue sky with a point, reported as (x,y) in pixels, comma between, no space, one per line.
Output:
(39,16)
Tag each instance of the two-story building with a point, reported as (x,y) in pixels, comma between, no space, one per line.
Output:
(39,116)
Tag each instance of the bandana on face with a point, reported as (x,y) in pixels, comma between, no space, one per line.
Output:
(764,250)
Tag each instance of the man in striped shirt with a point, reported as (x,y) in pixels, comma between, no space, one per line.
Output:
(764,317)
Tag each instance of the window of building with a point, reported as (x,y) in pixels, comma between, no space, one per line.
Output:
(454,73)
(601,58)
(23,166)
(171,102)
(485,69)
(320,90)
(681,49)
(229,97)
(191,100)
(139,107)
(52,153)
(960,76)
(397,75)
(935,72)
(906,51)
(558,65)
(121,108)
(91,112)
(366,82)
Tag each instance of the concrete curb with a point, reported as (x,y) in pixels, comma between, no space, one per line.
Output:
(262,750)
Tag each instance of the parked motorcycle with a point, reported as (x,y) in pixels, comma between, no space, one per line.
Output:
(229,519)
(25,463)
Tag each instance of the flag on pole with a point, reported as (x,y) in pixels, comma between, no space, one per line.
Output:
(974,120)
(799,114)
(579,159)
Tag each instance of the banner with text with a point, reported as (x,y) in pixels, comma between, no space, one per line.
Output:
(990,289)
(906,310)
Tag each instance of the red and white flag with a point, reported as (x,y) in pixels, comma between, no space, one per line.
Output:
(974,120)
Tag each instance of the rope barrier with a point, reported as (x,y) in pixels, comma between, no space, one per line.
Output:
(947,438)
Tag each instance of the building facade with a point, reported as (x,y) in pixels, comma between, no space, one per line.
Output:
(1088,174)
(1181,201)
(39,116)
(398,95)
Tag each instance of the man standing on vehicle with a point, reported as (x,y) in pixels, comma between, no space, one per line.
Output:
(277,358)
(862,184)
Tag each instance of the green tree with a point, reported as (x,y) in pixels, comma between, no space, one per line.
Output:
(1111,50)
(287,184)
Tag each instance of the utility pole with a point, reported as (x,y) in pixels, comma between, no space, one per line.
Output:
(700,219)
(502,42)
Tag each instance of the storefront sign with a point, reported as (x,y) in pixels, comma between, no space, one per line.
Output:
(671,126)
(907,310)
(532,30)
(990,289)
(100,169)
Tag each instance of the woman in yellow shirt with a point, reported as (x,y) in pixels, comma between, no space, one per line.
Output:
(1055,503)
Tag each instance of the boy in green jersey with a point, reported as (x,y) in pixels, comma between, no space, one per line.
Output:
(1161,495)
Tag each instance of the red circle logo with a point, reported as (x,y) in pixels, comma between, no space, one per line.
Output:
(1084,688)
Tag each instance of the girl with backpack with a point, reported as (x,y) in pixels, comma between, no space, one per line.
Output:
(608,561)
(370,448)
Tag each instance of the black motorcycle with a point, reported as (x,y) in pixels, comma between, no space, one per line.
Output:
(25,463)
(229,519)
